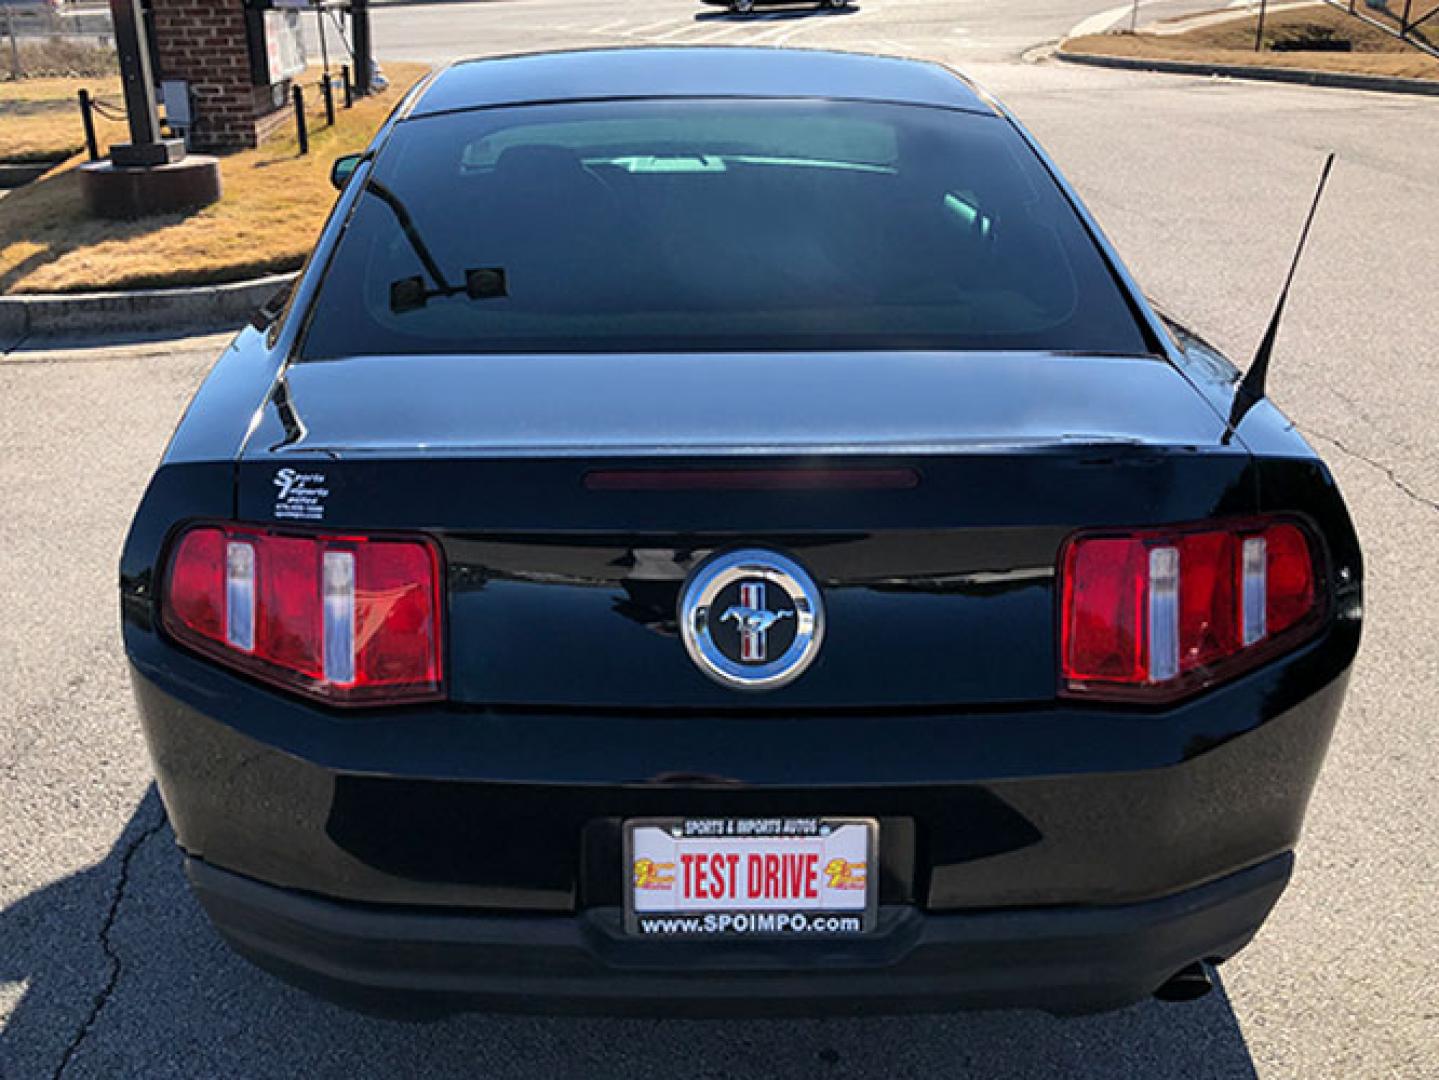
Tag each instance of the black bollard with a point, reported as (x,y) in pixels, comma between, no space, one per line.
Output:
(87,117)
(300,130)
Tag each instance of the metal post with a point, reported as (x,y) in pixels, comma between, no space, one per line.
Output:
(87,117)
(1404,19)
(1134,17)
(301,132)
(139,81)
(349,86)
(14,45)
(327,91)
(146,147)
(324,44)
(364,57)
(1259,29)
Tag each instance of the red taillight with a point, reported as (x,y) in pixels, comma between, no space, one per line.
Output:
(1291,578)
(1104,621)
(350,620)
(195,597)
(1153,614)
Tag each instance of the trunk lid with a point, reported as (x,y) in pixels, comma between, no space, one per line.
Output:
(937,582)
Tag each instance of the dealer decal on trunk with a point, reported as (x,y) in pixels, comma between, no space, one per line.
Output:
(300,496)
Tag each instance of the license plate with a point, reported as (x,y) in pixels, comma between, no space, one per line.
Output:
(737,877)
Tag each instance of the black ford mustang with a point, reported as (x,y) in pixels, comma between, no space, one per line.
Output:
(721,530)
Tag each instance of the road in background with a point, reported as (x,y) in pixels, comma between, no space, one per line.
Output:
(1203,185)
(981,29)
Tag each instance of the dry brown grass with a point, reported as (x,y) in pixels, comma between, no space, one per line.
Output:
(1375,52)
(40,118)
(53,90)
(1394,14)
(274,203)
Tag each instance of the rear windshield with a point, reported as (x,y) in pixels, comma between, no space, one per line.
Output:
(646,226)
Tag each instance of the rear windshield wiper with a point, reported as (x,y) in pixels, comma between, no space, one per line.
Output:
(410,293)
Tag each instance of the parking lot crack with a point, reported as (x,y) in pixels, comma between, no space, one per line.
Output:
(1388,470)
(112,955)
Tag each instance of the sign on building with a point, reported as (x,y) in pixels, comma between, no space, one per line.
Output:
(283,53)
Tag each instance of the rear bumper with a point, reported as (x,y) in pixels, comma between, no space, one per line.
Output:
(1067,859)
(453,809)
(1062,959)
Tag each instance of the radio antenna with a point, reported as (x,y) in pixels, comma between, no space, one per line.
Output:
(1253,386)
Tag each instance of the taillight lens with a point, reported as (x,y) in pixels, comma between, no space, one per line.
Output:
(347,619)
(1153,614)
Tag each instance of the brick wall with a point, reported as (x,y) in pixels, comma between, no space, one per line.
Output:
(204,43)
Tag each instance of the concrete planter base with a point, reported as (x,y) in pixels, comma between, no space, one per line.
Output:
(113,191)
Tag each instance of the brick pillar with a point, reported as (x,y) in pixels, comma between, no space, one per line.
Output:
(204,42)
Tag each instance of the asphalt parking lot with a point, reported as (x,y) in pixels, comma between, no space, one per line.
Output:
(107,967)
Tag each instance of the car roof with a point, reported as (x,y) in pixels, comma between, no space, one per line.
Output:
(694,72)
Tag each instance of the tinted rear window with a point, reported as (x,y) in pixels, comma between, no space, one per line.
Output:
(713,226)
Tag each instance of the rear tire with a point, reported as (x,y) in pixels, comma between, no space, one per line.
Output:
(741,7)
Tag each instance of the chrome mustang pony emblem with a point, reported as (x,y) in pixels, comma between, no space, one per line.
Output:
(751,619)
(754,620)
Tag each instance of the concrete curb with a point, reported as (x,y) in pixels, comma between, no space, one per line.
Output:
(1332,79)
(16,174)
(205,306)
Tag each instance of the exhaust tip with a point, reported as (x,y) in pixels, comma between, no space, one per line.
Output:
(1190,984)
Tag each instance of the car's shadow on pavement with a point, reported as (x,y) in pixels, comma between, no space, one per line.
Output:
(143,987)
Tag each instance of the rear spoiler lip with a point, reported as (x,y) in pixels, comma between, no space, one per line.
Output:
(725,450)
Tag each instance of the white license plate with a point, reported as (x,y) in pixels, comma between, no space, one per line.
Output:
(736,877)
